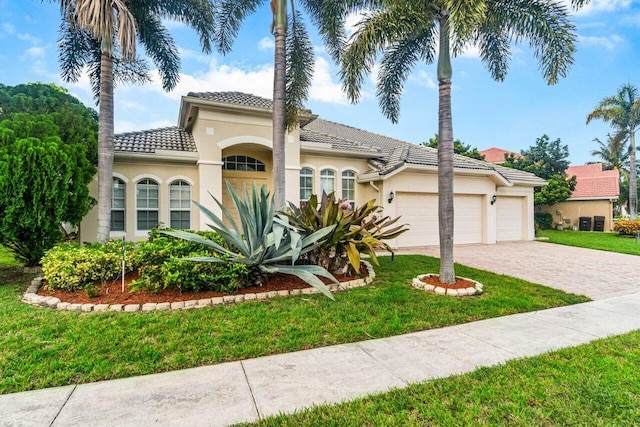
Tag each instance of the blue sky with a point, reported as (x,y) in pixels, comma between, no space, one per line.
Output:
(510,114)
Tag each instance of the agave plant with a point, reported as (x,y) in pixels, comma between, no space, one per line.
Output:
(362,230)
(264,241)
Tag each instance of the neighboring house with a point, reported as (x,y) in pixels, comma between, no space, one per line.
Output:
(595,193)
(226,136)
(497,155)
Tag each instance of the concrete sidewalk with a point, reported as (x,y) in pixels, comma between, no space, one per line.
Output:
(252,389)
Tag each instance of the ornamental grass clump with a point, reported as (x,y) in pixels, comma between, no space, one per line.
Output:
(355,232)
(263,241)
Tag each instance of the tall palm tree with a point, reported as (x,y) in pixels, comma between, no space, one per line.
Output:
(622,111)
(293,58)
(409,31)
(111,27)
(613,154)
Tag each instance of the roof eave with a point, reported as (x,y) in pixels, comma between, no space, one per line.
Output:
(314,148)
(162,155)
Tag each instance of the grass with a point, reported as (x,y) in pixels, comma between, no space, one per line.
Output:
(6,257)
(595,384)
(593,240)
(43,348)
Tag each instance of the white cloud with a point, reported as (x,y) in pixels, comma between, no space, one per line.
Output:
(470,51)
(323,88)
(350,23)
(257,81)
(33,53)
(424,79)
(601,6)
(608,42)
(8,28)
(29,38)
(266,43)
(121,126)
(132,105)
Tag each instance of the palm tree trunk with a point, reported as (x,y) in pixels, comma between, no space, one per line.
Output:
(105,147)
(445,155)
(633,180)
(279,104)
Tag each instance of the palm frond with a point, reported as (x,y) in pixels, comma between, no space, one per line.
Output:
(300,64)
(397,63)
(547,27)
(160,48)
(229,18)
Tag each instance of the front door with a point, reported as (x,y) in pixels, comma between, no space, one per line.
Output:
(241,172)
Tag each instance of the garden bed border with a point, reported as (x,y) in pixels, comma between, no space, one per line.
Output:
(31,297)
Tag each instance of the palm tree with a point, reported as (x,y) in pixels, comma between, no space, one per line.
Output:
(622,111)
(409,31)
(293,58)
(613,154)
(111,27)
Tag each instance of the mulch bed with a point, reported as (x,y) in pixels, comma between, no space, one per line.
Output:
(111,292)
(460,283)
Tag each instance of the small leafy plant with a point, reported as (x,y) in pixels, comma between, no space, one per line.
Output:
(627,228)
(161,266)
(263,241)
(356,232)
(70,267)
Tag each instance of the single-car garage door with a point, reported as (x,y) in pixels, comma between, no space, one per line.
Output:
(420,211)
(509,216)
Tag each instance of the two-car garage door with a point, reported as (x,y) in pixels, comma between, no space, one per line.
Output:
(420,211)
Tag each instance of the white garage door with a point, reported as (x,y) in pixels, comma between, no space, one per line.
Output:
(420,211)
(509,217)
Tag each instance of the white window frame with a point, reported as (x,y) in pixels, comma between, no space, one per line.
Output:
(326,174)
(123,209)
(180,183)
(147,209)
(349,175)
(309,174)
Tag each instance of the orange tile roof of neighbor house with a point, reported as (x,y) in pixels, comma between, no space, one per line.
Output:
(594,183)
(496,155)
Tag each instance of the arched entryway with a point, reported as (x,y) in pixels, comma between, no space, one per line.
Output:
(243,166)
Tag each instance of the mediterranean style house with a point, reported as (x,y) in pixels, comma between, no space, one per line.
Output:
(226,136)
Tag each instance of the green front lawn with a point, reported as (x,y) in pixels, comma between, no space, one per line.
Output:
(6,257)
(593,240)
(44,348)
(595,384)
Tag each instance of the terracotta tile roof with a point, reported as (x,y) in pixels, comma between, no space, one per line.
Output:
(496,155)
(593,182)
(170,138)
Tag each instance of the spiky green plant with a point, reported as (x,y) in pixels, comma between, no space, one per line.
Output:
(264,241)
(362,230)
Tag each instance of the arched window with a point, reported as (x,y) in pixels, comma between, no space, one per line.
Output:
(349,187)
(118,205)
(147,204)
(306,184)
(180,205)
(242,163)
(327,181)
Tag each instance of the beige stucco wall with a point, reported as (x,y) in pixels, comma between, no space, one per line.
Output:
(574,209)
(132,170)
(364,192)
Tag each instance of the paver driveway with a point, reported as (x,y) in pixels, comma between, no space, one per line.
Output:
(596,274)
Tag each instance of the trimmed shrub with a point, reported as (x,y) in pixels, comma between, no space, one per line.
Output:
(543,220)
(161,265)
(627,228)
(70,267)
